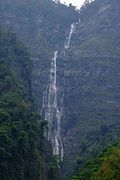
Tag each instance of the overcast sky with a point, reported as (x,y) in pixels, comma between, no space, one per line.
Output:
(77,3)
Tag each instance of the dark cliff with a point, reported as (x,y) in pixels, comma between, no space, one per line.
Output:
(92,99)
(88,75)
(42,25)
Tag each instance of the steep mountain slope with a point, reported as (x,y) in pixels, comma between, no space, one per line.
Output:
(88,73)
(24,152)
(41,25)
(92,99)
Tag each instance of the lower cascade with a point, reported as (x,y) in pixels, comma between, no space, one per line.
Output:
(51,113)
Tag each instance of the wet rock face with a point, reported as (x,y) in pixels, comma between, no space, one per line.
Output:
(88,73)
(92,100)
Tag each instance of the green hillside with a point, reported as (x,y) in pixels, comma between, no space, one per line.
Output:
(105,167)
(22,145)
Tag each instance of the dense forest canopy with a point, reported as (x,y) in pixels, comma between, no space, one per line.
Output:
(104,167)
(22,144)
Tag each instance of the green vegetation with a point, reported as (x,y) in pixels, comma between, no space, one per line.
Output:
(105,167)
(24,152)
(42,25)
(88,76)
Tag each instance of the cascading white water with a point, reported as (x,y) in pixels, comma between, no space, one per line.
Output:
(53,113)
(50,110)
(68,39)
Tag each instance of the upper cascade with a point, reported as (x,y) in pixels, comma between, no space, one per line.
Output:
(68,39)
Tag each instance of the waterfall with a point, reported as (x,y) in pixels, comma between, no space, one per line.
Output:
(53,113)
(68,39)
(50,110)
